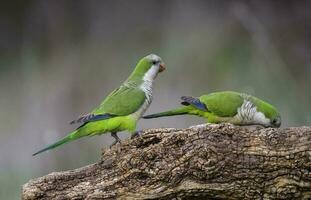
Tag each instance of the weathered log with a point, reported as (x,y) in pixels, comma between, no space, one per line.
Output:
(216,161)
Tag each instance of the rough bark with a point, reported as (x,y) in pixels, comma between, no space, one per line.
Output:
(216,161)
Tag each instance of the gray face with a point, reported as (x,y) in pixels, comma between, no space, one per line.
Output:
(156,61)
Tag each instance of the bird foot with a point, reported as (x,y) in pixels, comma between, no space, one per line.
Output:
(117,139)
(114,143)
(201,127)
(253,127)
(136,134)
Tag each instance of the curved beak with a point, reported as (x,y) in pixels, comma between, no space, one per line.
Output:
(162,67)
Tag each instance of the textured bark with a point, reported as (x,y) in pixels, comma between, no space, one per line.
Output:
(216,161)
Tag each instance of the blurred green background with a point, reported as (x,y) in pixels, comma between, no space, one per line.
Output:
(59,59)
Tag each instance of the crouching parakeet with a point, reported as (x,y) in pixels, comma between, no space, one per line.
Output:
(227,107)
(122,108)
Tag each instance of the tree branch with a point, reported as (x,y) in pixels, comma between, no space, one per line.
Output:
(217,161)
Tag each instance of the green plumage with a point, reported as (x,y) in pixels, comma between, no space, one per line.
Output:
(122,108)
(227,106)
(123,101)
(222,104)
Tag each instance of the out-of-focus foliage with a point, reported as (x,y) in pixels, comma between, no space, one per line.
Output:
(59,59)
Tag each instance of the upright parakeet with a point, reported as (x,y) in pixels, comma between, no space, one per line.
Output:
(227,107)
(122,108)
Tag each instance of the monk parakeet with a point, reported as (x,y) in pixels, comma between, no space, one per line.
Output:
(122,108)
(227,107)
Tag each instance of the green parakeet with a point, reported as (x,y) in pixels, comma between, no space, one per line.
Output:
(122,108)
(227,107)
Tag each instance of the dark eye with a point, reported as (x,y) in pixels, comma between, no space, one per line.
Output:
(154,62)
(274,121)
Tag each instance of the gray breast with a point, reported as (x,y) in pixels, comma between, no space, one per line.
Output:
(147,87)
(247,111)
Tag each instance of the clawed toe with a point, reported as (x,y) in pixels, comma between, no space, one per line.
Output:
(117,139)
(114,143)
(200,126)
(253,127)
(136,134)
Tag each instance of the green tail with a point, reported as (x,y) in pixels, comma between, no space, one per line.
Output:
(66,139)
(178,111)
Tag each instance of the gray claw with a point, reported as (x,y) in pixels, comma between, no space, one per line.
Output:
(117,139)
(136,134)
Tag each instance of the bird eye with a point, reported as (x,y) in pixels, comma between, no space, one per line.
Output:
(154,62)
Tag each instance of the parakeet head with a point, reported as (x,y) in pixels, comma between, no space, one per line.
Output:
(276,121)
(266,114)
(272,116)
(155,61)
(148,68)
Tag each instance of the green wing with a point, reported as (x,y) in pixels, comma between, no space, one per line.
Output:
(223,104)
(122,101)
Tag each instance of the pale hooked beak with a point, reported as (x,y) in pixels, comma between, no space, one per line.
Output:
(162,67)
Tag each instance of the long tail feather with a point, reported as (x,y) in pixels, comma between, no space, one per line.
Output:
(66,139)
(178,111)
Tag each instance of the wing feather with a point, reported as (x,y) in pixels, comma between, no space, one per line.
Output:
(223,104)
(126,100)
(187,100)
(121,102)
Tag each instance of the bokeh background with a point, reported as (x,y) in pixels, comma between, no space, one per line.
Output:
(59,59)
